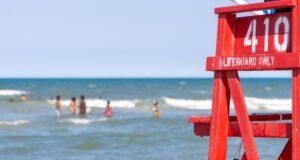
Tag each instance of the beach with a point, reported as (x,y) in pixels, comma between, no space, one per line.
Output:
(31,130)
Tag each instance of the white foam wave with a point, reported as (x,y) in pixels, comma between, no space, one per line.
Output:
(91,86)
(269,104)
(251,102)
(188,103)
(99,103)
(11,92)
(14,123)
(82,121)
(182,83)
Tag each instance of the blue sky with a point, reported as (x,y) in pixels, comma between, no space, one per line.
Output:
(115,38)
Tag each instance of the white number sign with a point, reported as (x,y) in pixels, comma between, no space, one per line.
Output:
(251,40)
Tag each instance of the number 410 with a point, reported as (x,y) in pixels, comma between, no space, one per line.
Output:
(279,46)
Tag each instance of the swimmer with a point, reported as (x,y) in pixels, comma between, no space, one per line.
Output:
(155,108)
(82,106)
(108,110)
(23,98)
(11,100)
(72,106)
(58,106)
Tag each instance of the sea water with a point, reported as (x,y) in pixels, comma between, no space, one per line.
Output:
(31,130)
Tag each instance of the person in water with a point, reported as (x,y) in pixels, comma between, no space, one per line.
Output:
(82,106)
(23,98)
(72,106)
(155,108)
(108,110)
(58,106)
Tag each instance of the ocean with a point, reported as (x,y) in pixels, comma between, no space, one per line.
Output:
(31,130)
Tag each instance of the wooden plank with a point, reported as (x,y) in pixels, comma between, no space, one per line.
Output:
(254,62)
(263,117)
(261,130)
(244,157)
(255,7)
(286,153)
(296,113)
(242,115)
(221,95)
(296,83)
(219,121)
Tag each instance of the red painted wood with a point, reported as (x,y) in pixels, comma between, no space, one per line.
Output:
(244,157)
(242,115)
(269,130)
(199,119)
(219,121)
(225,37)
(286,153)
(232,53)
(255,62)
(295,26)
(241,28)
(221,96)
(262,130)
(296,113)
(262,117)
(255,7)
(296,83)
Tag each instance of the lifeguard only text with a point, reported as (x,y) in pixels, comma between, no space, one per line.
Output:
(248,61)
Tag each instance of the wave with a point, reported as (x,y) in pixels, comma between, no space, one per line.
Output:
(4,92)
(82,121)
(14,123)
(273,104)
(99,103)
(91,85)
(251,102)
(182,83)
(188,103)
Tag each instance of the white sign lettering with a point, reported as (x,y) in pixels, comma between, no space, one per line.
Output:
(248,61)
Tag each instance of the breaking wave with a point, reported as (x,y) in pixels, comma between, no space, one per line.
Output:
(188,103)
(14,123)
(272,104)
(251,102)
(8,92)
(91,85)
(99,103)
(81,121)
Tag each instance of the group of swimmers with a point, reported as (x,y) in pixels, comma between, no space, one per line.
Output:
(81,107)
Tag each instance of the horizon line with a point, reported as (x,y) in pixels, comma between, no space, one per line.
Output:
(154,77)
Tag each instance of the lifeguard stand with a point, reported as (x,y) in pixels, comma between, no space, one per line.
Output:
(263,42)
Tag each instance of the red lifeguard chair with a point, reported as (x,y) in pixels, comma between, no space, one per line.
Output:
(263,42)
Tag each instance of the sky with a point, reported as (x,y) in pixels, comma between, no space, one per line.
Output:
(115,38)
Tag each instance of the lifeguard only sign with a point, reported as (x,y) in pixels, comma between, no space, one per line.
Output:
(258,43)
